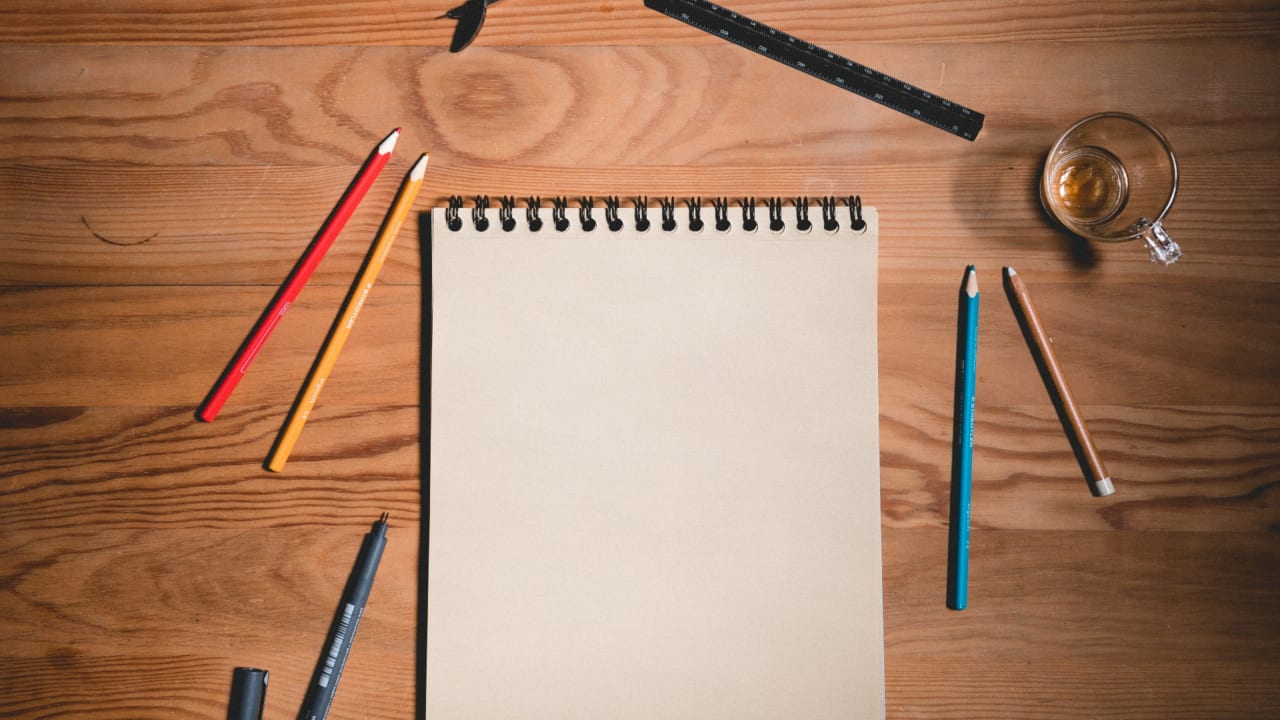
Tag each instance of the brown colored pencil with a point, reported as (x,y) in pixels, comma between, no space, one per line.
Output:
(1056,382)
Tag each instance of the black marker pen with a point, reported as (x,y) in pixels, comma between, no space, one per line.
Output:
(248,694)
(343,631)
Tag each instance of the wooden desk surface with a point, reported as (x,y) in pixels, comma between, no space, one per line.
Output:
(163,163)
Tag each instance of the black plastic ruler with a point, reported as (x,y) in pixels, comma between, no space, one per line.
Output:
(824,65)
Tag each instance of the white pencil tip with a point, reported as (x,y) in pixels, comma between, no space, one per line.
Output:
(419,168)
(1010,271)
(1104,487)
(390,143)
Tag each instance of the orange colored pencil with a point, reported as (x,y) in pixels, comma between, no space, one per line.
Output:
(1056,382)
(346,318)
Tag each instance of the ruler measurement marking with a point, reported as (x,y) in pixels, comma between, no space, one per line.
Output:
(824,65)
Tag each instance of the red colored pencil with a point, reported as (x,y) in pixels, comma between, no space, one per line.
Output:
(296,280)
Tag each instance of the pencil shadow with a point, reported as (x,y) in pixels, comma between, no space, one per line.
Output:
(424,464)
(311,373)
(280,291)
(334,327)
(1047,377)
(297,402)
(957,418)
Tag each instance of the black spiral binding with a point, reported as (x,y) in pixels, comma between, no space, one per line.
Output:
(478,219)
(748,214)
(451,218)
(695,214)
(611,207)
(668,214)
(721,207)
(506,213)
(584,214)
(856,222)
(802,214)
(776,223)
(532,205)
(829,221)
(668,207)
(559,210)
(642,213)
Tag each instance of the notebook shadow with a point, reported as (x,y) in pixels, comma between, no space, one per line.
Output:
(424,464)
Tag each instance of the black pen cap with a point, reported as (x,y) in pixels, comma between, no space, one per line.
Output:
(248,694)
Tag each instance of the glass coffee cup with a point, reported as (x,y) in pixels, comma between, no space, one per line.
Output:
(1112,177)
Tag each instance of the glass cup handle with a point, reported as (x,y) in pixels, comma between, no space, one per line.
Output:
(1162,247)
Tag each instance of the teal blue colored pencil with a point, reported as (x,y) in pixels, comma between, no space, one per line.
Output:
(962,443)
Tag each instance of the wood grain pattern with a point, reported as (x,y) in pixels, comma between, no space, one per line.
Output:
(162,165)
(690,107)
(404,22)
(239,225)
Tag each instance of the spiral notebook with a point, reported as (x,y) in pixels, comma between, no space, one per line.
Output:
(654,462)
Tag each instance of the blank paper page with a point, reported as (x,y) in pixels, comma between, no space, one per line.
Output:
(654,475)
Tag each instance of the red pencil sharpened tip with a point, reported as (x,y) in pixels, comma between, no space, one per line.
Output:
(390,143)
